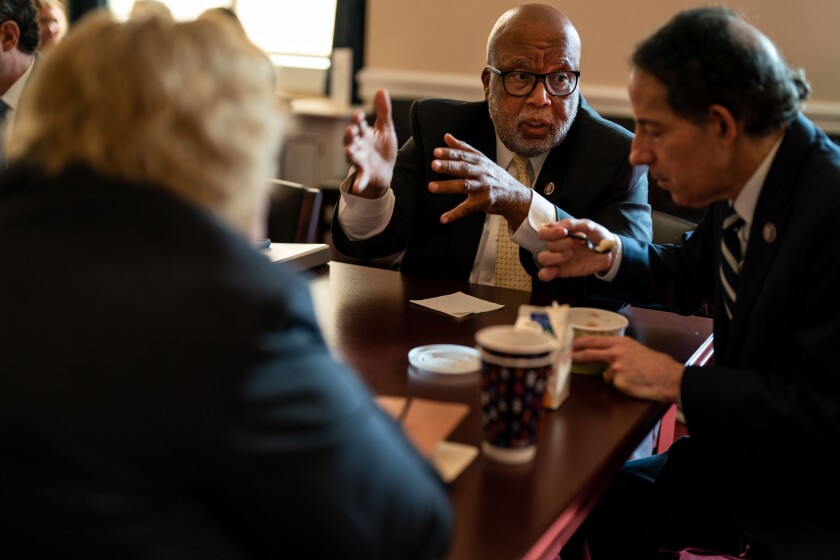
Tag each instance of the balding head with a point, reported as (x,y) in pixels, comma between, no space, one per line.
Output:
(535,40)
(538,26)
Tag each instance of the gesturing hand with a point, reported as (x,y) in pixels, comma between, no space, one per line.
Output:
(488,187)
(372,150)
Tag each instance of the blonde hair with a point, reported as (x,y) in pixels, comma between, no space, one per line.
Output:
(40,4)
(149,8)
(187,106)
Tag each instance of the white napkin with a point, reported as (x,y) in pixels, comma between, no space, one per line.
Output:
(458,304)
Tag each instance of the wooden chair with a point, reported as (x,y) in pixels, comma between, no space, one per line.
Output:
(294,212)
(701,357)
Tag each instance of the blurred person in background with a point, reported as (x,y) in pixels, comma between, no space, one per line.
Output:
(18,42)
(52,19)
(165,391)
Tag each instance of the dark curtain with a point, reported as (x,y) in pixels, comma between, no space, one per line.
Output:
(350,32)
(78,8)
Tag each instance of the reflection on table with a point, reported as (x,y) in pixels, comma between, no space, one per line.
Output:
(501,511)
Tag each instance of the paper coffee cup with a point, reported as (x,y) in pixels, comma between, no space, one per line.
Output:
(515,365)
(588,321)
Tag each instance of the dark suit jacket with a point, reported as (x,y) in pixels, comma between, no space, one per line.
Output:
(589,170)
(165,393)
(767,415)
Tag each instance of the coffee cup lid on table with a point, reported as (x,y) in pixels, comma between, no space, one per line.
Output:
(447,359)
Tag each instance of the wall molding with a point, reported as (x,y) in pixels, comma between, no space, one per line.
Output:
(610,101)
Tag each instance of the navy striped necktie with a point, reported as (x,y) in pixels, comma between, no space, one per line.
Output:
(731,259)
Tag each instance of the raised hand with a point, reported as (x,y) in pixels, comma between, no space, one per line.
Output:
(488,187)
(372,150)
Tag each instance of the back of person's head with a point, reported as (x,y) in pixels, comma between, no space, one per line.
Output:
(225,16)
(149,8)
(186,106)
(25,15)
(708,56)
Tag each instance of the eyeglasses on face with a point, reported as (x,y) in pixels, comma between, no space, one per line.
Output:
(519,83)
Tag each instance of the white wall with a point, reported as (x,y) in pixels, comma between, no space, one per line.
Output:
(437,47)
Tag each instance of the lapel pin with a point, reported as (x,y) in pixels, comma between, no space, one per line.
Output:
(769,232)
(549,188)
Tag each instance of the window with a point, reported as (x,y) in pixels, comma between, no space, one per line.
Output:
(298,36)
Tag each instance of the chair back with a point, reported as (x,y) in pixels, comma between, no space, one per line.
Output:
(668,228)
(703,356)
(294,212)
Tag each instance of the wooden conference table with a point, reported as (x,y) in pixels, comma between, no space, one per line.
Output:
(501,511)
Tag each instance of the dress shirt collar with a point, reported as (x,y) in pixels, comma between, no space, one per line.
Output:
(747,199)
(504,157)
(13,94)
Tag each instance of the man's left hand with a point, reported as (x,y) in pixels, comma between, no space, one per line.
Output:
(633,368)
(488,187)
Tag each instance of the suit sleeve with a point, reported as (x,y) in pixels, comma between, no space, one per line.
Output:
(595,181)
(675,277)
(623,208)
(314,468)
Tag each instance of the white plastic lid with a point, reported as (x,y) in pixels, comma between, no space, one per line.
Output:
(508,339)
(445,358)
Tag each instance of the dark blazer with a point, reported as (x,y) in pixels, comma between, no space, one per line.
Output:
(767,415)
(165,392)
(589,171)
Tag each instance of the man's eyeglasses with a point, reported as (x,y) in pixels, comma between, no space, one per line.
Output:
(519,83)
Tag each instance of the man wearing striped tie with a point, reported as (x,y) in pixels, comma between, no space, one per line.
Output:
(19,39)
(718,122)
(465,196)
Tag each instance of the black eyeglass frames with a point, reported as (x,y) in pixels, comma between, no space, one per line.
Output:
(519,83)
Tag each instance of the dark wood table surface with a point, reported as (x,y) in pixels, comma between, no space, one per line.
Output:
(501,511)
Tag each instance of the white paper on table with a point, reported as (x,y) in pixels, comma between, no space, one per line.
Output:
(458,304)
(427,423)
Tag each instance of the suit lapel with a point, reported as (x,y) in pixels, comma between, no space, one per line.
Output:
(553,173)
(769,225)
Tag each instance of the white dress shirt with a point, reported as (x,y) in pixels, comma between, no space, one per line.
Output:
(12,99)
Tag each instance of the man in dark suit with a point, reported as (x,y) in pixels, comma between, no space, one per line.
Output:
(164,389)
(18,42)
(452,197)
(718,122)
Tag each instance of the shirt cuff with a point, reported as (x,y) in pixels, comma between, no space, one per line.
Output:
(610,274)
(362,218)
(540,212)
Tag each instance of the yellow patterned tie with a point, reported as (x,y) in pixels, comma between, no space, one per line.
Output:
(509,271)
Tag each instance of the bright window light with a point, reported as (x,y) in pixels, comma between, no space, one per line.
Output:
(296,34)
(290,26)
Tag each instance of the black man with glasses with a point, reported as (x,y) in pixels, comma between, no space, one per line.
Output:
(476,180)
